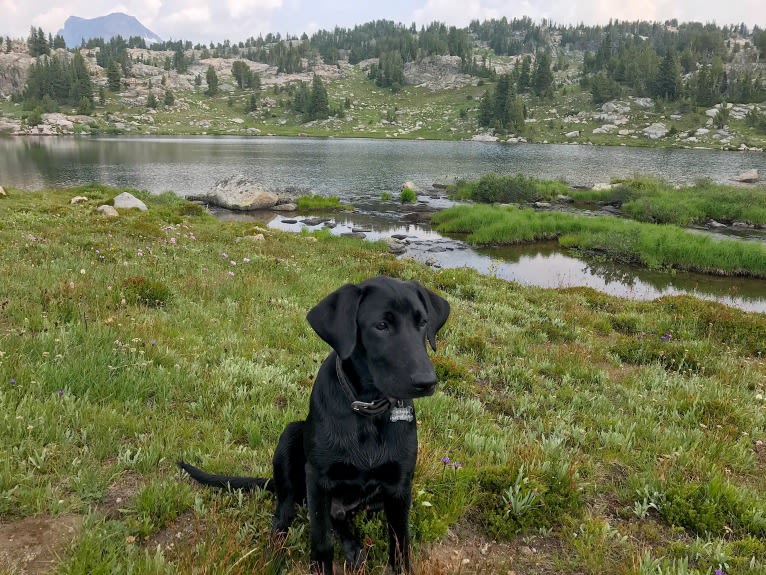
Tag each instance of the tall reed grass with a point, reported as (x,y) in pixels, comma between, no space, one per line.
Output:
(648,245)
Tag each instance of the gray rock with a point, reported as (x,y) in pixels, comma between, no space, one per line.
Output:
(601,186)
(712,224)
(742,225)
(410,185)
(361,229)
(77,200)
(573,134)
(542,205)
(289,207)
(655,131)
(610,209)
(2,192)
(127,201)
(313,221)
(747,177)
(290,221)
(237,193)
(108,211)
(399,236)
(357,235)
(395,246)
(562,199)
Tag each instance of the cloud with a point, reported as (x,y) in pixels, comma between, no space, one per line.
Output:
(455,12)
(239,8)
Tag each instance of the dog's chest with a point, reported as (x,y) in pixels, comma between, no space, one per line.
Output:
(369,444)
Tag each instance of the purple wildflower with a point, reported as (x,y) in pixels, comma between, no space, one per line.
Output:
(12,381)
(61,393)
(224,255)
(446,460)
(719,571)
(667,337)
(153,342)
(457,465)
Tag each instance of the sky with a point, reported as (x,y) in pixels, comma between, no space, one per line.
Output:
(216,20)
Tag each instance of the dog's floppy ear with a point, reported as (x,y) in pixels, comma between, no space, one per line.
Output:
(334,319)
(438,311)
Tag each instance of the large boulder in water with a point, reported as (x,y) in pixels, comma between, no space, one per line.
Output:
(237,193)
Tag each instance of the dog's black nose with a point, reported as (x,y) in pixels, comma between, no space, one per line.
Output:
(424,384)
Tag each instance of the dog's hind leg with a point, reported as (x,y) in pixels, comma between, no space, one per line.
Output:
(289,464)
(318,500)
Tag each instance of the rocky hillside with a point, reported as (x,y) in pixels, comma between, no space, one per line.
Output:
(438,101)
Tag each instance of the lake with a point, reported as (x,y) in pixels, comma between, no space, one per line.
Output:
(361,170)
(343,167)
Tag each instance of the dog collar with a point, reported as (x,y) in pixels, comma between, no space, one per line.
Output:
(366,408)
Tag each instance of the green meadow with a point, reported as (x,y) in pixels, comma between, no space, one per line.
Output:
(585,433)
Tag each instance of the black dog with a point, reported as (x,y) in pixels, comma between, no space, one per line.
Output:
(357,448)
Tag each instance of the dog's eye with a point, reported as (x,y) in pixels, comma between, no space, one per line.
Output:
(381,326)
(423,323)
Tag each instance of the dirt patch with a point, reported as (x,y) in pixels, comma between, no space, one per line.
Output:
(33,545)
(182,529)
(119,493)
(466,551)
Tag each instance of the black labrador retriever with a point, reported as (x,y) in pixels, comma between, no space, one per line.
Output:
(356,449)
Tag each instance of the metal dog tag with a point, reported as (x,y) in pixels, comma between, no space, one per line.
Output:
(402,413)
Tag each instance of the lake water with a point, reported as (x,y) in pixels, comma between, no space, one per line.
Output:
(343,167)
(360,170)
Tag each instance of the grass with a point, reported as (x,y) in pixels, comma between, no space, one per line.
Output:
(496,188)
(647,245)
(651,200)
(612,436)
(315,202)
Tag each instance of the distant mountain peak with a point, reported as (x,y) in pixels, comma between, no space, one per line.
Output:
(76,29)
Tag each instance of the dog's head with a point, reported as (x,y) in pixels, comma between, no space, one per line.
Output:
(384,324)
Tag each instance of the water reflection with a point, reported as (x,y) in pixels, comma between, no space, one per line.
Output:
(542,265)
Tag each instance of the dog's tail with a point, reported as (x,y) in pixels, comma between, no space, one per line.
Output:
(226,481)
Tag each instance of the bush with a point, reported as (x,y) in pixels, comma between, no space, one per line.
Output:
(142,291)
(514,500)
(408,196)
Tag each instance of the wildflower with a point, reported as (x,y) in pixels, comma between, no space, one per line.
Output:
(12,381)
(82,271)
(61,393)
(719,571)
(71,285)
(231,274)
(457,465)
(667,337)
(232,262)
(245,260)
(224,255)
(139,253)
(446,460)
(173,241)
(153,342)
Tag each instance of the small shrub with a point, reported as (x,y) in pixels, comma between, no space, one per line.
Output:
(408,196)
(139,290)
(513,501)
(386,196)
(703,508)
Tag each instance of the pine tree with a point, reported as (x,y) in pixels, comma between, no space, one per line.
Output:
(212,81)
(319,108)
(113,76)
(542,82)
(668,82)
